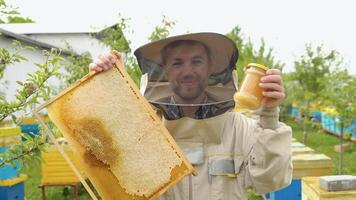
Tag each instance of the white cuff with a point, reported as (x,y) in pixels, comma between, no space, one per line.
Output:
(269,118)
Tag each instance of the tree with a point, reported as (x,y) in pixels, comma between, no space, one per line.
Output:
(76,67)
(162,31)
(340,94)
(249,54)
(8,14)
(33,90)
(308,82)
(115,38)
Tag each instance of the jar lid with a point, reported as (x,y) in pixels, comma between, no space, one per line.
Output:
(258,66)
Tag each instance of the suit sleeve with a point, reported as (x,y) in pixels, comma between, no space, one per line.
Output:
(268,157)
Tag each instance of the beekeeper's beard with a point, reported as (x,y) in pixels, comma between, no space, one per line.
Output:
(189,87)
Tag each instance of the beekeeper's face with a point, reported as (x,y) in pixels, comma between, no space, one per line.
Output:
(186,66)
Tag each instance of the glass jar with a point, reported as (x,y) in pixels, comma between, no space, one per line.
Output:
(249,94)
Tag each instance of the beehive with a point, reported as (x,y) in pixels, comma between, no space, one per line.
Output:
(125,150)
(302,150)
(297,145)
(311,165)
(13,189)
(312,191)
(9,136)
(55,170)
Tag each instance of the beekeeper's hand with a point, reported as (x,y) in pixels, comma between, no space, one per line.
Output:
(106,61)
(273,89)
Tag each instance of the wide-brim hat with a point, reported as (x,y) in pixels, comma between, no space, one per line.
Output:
(223,52)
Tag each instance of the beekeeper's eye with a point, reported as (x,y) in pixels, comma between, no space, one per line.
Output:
(177,63)
(197,61)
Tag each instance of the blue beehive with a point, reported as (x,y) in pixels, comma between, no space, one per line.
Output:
(353,130)
(13,189)
(8,171)
(316,117)
(323,120)
(30,126)
(295,112)
(8,137)
(292,192)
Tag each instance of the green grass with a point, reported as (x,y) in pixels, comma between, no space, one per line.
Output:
(32,192)
(323,142)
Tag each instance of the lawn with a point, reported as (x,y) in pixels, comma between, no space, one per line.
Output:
(323,142)
(318,140)
(32,192)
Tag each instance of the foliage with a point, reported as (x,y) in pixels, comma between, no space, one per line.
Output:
(34,89)
(249,54)
(312,71)
(26,151)
(340,94)
(10,55)
(114,36)
(9,14)
(307,85)
(162,31)
(18,19)
(76,67)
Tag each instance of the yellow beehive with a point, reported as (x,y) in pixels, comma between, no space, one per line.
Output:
(6,123)
(312,191)
(29,120)
(13,181)
(297,144)
(55,170)
(302,150)
(33,120)
(311,165)
(126,151)
(9,136)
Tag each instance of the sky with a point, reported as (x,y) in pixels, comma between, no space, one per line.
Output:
(285,25)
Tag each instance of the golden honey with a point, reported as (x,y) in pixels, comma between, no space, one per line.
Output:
(249,94)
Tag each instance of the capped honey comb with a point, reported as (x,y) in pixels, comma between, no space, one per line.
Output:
(125,150)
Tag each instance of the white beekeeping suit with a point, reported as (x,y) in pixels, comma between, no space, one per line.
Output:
(190,82)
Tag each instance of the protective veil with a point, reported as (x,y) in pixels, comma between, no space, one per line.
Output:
(190,72)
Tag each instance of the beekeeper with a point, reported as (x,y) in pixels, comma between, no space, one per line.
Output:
(189,79)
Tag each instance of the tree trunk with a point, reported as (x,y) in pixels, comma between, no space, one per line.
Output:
(305,120)
(341,153)
(305,134)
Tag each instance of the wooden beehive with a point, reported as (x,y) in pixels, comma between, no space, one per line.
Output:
(125,150)
(55,170)
(311,165)
(9,136)
(312,191)
(302,150)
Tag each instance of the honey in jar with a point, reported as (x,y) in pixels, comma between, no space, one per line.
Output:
(249,94)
